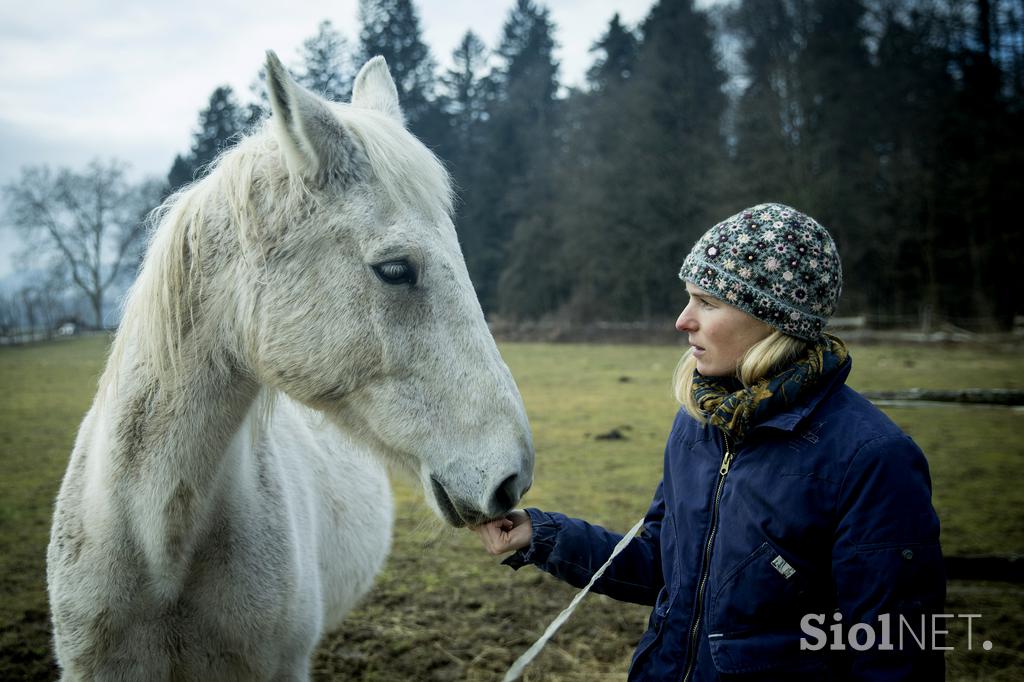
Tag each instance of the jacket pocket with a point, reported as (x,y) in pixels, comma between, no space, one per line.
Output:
(754,617)
(765,590)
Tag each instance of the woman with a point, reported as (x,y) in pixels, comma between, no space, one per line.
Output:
(790,509)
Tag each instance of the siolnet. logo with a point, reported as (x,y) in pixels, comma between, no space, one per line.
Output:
(888,633)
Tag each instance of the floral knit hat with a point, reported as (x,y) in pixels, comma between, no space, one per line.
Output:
(772,262)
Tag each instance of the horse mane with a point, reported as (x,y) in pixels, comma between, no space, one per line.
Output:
(158,311)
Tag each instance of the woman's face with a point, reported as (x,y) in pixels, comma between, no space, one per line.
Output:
(718,333)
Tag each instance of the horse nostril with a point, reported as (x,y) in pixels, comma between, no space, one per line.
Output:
(506,496)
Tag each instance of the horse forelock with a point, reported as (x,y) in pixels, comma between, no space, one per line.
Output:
(158,311)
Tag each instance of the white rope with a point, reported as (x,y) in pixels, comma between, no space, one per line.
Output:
(517,668)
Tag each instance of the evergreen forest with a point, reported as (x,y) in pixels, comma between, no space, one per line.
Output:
(898,124)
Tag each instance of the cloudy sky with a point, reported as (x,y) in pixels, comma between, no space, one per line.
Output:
(82,79)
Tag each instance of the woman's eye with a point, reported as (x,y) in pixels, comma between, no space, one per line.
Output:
(396,272)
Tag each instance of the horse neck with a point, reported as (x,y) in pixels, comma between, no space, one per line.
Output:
(169,455)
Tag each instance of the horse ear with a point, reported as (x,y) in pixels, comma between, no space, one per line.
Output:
(375,89)
(314,143)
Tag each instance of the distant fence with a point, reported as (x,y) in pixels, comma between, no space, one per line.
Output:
(560,331)
(854,328)
(1007,397)
(22,337)
(1003,568)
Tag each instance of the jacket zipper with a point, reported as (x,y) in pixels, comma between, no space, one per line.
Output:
(706,566)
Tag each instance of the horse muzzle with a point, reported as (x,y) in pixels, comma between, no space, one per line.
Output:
(460,513)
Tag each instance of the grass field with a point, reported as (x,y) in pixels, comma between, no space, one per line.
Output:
(443,609)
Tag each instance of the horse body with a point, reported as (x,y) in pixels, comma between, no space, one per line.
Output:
(243,574)
(303,315)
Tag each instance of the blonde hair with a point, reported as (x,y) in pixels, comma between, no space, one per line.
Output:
(759,361)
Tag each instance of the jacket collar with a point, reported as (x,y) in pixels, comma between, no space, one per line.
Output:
(788,419)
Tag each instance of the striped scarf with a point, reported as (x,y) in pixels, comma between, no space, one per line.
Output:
(734,409)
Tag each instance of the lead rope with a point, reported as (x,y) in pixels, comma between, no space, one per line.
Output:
(517,668)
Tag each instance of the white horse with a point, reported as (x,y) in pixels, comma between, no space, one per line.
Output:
(303,315)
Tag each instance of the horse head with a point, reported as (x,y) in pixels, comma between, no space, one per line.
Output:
(360,304)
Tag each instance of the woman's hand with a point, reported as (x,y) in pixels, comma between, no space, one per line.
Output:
(509,534)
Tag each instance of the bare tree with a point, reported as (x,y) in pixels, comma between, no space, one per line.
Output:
(89,222)
(29,308)
(10,314)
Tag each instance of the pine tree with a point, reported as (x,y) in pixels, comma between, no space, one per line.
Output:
(914,83)
(466,87)
(180,173)
(838,119)
(391,28)
(514,183)
(983,151)
(221,123)
(806,124)
(767,121)
(528,67)
(659,178)
(589,207)
(326,64)
(465,97)
(618,49)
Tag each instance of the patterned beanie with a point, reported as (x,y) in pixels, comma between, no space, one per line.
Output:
(772,262)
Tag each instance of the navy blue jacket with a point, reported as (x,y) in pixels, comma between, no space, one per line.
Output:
(823,509)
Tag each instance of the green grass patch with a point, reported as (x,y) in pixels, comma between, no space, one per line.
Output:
(47,388)
(443,609)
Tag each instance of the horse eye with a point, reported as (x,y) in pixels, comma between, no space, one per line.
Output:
(395,272)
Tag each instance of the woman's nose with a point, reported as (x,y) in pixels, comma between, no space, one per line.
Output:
(685,322)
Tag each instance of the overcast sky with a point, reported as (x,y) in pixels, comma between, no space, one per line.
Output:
(81,79)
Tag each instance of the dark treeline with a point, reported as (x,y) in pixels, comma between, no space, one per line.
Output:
(897,123)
